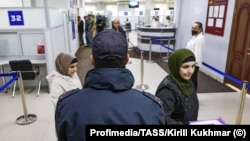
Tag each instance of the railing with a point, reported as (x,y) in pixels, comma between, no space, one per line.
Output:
(26,118)
(244,83)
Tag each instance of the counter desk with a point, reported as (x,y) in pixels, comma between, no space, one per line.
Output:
(4,67)
(144,35)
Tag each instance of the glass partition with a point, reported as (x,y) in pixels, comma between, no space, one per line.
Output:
(9,44)
(22,44)
(31,43)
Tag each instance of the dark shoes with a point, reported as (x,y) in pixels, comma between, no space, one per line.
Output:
(87,46)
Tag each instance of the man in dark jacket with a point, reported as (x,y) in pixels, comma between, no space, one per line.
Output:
(108,96)
(100,24)
(80,30)
(88,36)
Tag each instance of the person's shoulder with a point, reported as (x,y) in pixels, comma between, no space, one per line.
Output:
(54,76)
(201,36)
(68,94)
(167,84)
(153,98)
(166,81)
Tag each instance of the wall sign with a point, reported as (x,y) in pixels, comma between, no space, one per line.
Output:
(157,13)
(141,13)
(124,13)
(16,17)
(216,16)
(73,29)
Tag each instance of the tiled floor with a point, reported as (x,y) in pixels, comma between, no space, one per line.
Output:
(212,106)
(147,75)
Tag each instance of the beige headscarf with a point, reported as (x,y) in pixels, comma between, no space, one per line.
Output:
(63,61)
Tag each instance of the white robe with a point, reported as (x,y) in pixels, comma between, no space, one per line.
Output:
(196,45)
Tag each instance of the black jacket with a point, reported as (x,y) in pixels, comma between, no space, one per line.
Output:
(81,27)
(179,109)
(100,25)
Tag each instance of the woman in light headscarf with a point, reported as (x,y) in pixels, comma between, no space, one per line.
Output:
(177,91)
(64,78)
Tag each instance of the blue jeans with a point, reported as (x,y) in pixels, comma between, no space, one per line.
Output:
(88,38)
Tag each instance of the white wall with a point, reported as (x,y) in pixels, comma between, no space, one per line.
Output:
(58,3)
(35,18)
(32,17)
(187,12)
(21,3)
(215,52)
(11,3)
(56,18)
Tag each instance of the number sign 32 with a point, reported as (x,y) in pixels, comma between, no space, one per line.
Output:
(16,17)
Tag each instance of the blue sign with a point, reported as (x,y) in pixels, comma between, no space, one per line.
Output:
(73,29)
(141,12)
(16,17)
(156,13)
(125,13)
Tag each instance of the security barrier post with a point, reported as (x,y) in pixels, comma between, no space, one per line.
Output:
(150,51)
(242,102)
(168,49)
(142,86)
(165,59)
(4,81)
(26,118)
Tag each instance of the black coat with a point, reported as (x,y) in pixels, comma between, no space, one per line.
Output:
(100,25)
(81,26)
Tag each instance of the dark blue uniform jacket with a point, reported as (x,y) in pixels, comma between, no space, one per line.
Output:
(106,99)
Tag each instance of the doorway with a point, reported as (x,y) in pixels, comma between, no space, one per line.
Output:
(238,61)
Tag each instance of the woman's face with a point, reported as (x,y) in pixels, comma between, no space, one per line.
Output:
(72,69)
(187,69)
(116,24)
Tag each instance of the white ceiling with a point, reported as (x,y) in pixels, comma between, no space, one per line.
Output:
(114,1)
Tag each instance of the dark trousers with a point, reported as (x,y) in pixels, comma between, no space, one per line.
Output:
(194,77)
(81,38)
